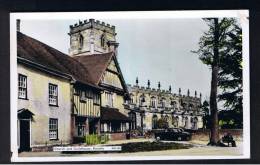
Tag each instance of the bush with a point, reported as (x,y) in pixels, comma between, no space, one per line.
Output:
(104,139)
(163,124)
(96,139)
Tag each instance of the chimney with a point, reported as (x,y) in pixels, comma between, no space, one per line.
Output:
(18,21)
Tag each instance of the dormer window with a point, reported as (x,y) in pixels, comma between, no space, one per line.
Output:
(81,41)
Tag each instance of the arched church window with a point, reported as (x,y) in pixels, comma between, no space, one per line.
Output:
(81,41)
(154,122)
(102,40)
(141,100)
(131,98)
(153,102)
(163,102)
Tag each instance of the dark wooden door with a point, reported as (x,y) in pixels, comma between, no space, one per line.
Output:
(24,135)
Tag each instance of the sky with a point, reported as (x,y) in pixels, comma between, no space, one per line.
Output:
(154,49)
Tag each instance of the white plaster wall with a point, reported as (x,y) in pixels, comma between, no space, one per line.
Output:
(38,103)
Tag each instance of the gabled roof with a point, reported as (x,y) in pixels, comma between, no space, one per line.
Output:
(40,53)
(98,63)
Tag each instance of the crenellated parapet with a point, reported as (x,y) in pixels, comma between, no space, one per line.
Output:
(142,89)
(92,23)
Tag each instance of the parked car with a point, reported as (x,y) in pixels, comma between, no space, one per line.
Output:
(173,134)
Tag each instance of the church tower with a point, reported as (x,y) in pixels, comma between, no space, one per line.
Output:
(92,37)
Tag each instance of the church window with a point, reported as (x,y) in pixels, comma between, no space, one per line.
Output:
(81,41)
(153,102)
(163,102)
(103,40)
(154,122)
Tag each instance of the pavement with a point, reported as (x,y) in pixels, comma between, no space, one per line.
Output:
(199,148)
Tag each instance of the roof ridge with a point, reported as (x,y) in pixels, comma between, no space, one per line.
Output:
(54,54)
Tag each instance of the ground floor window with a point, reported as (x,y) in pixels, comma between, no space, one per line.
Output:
(53,129)
(113,127)
(81,129)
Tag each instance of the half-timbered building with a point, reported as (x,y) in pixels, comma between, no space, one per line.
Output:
(93,44)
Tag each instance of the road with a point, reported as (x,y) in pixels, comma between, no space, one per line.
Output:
(200,149)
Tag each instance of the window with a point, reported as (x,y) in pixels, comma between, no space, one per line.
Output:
(53,94)
(141,100)
(132,116)
(109,99)
(153,102)
(83,96)
(96,99)
(53,129)
(102,40)
(81,129)
(131,98)
(154,122)
(163,102)
(81,41)
(22,87)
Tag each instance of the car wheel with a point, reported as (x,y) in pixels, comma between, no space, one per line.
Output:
(188,138)
(157,138)
(179,138)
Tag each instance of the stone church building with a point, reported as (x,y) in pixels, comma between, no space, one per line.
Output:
(148,105)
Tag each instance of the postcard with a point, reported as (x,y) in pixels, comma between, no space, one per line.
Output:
(146,85)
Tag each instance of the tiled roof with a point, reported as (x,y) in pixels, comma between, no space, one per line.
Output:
(40,53)
(96,64)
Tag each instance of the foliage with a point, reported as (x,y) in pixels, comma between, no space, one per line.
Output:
(152,146)
(96,139)
(220,48)
(206,117)
(230,75)
(230,119)
(162,124)
(229,62)
(205,107)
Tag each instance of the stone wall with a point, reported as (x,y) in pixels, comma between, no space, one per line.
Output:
(204,134)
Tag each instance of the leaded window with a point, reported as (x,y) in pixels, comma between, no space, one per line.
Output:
(53,129)
(53,94)
(22,86)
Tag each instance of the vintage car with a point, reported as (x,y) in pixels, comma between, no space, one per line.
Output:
(173,134)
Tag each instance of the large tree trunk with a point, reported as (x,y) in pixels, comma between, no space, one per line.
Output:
(214,132)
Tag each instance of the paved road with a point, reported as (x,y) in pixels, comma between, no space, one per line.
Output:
(200,149)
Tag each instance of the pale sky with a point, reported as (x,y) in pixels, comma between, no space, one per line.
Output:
(154,49)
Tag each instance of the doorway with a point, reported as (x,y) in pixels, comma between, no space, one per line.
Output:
(24,135)
(93,126)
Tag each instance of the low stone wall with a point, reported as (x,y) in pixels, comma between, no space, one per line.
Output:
(117,136)
(203,135)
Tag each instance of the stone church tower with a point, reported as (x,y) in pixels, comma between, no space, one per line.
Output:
(92,37)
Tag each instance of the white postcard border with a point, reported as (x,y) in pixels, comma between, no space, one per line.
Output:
(242,14)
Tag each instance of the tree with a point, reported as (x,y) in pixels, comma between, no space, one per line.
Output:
(230,75)
(212,47)
(162,124)
(206,119)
